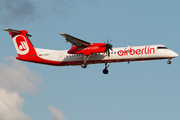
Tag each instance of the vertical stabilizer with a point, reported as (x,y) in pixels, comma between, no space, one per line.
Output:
(22,43)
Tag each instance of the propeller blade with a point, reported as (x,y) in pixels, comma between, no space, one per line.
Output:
(108,46)
(111,41)
(108,53)
(106,49)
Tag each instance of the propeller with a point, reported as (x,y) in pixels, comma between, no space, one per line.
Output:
(108,46)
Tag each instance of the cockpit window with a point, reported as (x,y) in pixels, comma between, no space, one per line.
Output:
(162,47)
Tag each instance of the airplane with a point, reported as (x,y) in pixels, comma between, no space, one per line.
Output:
(84,53)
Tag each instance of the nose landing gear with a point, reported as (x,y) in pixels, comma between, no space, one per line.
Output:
(105,71)
(169,61)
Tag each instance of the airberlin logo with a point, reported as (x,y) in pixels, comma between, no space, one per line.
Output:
(89,48)
(131,51)
(21,44)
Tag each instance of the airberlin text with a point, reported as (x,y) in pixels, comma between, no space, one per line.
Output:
(131,51)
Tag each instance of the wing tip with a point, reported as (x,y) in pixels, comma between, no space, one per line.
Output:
(62,34)
(6,29)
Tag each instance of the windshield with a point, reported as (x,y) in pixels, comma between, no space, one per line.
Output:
(162,47)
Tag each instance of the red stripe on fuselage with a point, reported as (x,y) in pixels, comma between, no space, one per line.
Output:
(37,59)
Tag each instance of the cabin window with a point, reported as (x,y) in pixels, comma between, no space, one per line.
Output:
(111,52)
(132,51)
(114,52)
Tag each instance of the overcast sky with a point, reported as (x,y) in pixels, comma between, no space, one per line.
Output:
(136,91)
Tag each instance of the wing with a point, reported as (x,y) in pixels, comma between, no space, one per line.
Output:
(75,41)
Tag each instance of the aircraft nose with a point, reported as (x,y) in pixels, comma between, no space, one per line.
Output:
(174,54)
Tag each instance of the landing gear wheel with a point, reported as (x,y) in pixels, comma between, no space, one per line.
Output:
(168,62)
(83,65)
(105,71)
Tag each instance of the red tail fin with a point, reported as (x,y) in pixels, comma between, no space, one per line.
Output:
(22,43)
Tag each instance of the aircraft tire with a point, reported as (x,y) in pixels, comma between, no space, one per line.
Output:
(168,62)
(105,71)
(83,65)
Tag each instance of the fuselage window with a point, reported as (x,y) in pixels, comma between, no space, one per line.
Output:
(114,52)
(132,51)
(111,52)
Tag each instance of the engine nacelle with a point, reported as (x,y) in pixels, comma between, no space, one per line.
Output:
(94,48)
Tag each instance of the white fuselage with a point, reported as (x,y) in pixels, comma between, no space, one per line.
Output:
(121,54)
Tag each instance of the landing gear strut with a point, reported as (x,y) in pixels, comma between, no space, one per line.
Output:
(105,71)
(169,61)
(84,65)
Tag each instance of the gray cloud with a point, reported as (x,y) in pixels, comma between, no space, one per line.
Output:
(59,10)
(57,114)
(12,11)
(59,7)
(16,76)
(11,105)
(24,11)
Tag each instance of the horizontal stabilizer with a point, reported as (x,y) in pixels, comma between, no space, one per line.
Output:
(17,31)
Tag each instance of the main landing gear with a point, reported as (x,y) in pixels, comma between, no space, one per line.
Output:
(105,71)
(84,65)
